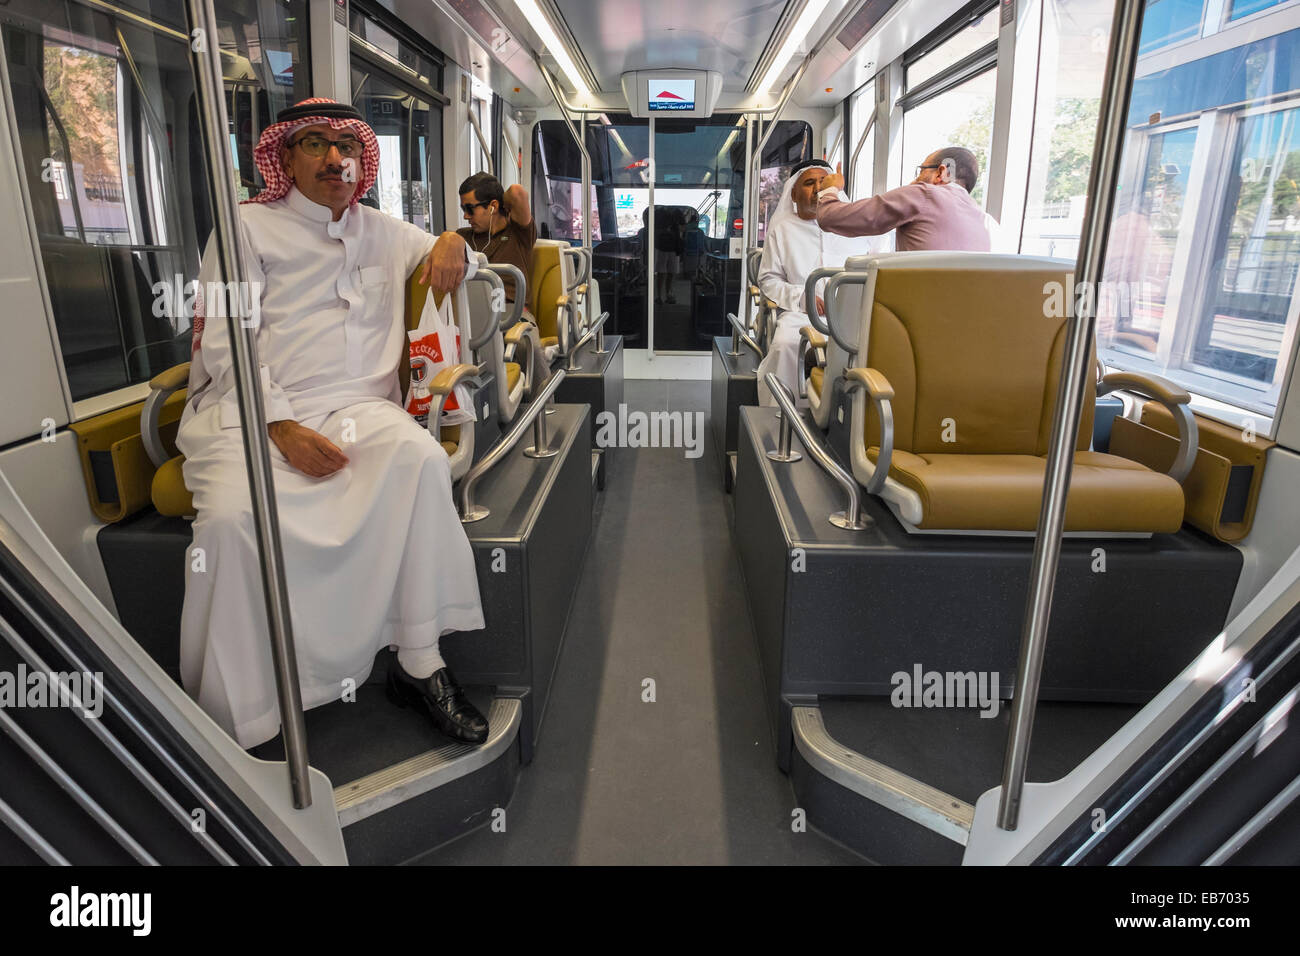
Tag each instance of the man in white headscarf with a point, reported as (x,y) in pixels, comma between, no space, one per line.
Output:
(794,247)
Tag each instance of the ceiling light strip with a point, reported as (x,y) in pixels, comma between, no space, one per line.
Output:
(550,40)
(807,17)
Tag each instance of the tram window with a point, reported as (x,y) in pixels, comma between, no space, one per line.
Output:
(105,110)
(950,83)
(974,36)
(790,144)
(1172,21)
(365,25)
(1071,67)
(1244,8)
(862,108)
(1204,256)
(409,131)
(962,116)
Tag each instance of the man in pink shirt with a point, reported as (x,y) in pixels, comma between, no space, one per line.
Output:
(934,211)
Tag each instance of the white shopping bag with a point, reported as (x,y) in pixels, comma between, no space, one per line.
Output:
(435,345)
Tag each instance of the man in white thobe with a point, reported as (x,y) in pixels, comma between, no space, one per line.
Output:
(375,555)
(794,247)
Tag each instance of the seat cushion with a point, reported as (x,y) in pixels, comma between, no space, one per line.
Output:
(551,341)
(815,379)
(170,496)
(512,375)
(1004,492)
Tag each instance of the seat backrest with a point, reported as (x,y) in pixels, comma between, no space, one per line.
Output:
(546,281)
(972,344)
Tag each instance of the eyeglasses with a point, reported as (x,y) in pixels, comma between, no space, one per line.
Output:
(930,166)
(318,146)
(468,207)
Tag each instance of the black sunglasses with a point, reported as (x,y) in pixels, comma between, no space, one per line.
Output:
(468,207)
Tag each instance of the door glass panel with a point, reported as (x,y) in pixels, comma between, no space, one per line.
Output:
(409,130)
(698,170)
(108,128)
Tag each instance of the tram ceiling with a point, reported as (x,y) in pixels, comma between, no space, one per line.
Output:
(726,36)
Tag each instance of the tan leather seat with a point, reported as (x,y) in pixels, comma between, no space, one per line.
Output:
(1107,493)
(815,379)
(965,357)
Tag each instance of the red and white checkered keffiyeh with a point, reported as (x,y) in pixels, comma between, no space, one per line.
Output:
(267,153)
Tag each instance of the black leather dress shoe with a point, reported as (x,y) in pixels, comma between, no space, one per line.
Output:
(442,699)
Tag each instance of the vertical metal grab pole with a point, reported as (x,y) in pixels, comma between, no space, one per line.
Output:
(1111,123)
(204,53)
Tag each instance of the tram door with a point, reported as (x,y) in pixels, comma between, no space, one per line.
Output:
(395,85)
(678,302)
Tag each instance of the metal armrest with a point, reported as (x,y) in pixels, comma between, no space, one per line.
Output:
(810,297)
(881,392)
(1172,397)
(163,385)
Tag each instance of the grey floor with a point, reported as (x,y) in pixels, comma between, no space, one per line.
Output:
(691,777)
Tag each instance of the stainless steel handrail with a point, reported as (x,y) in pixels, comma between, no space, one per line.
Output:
(851,518)
(810,298)
(37,843)
(1075,366)
(592,332)
(469,511)
(68,785)
(492,328)
(482,140)
(221,175)
(67,151)
(582,148)
(99,729)
(756,159)
(738,335)
(857,150)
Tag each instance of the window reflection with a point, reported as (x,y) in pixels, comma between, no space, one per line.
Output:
(107,114)
(1204,251)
